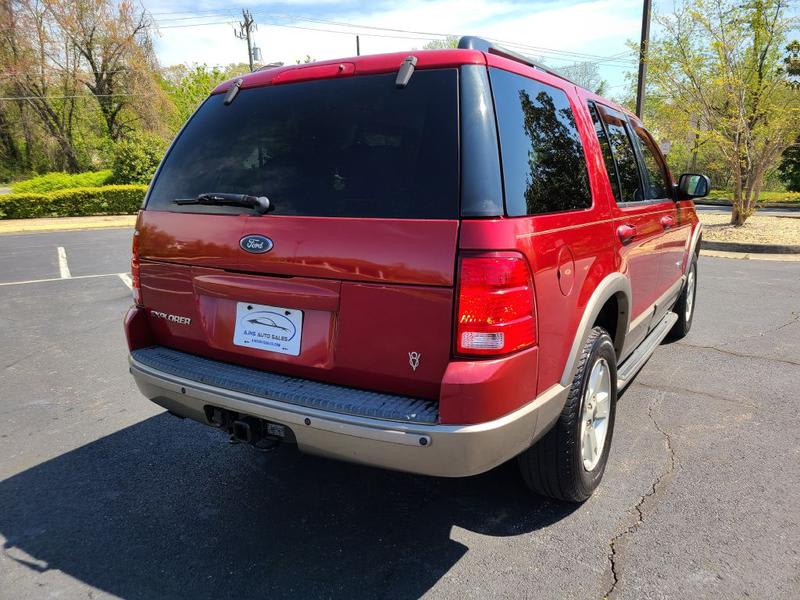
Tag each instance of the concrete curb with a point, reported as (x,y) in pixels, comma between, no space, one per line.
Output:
(9,226)
(746,256)
(749,248)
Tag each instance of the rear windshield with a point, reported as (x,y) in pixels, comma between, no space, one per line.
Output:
(354,147)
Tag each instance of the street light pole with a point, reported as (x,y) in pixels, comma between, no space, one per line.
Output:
(640,85)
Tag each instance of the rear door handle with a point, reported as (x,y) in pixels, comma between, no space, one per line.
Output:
(626,233)
(667,222)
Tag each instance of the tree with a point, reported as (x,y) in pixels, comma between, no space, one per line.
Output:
(720,63)
(789,169)
(136,158)
(30,48)
(77,75)
(114,41)
(792,62)
(451,41)
(586,75)
(187,86)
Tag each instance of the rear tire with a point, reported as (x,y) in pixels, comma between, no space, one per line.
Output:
(685,304)
(569,461)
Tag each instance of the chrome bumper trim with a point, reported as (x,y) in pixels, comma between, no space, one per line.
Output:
(442,450)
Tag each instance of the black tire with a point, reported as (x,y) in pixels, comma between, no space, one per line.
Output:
(684,323)
(554,466)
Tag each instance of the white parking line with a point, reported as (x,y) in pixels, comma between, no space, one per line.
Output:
(59,279)
(63,266)
(126,279)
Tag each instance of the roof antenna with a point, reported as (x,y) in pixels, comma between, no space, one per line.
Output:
(232,91)
(405,72)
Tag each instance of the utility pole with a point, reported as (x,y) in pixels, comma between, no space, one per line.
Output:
(245,28)
(643,57)
(358,46)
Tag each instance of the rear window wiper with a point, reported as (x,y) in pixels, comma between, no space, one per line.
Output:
(260,204)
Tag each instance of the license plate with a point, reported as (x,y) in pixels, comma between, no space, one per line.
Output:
(269,328)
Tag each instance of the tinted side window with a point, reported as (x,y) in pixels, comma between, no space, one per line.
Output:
(657,185)
(544,168)
(625,157)
(605,147)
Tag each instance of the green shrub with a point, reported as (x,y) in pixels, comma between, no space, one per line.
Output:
(136,159)
(61,181)
(763,197)
(78,202)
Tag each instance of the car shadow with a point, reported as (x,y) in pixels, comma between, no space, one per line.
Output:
(167,508)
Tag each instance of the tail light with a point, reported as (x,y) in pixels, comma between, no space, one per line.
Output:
(495,305)
(136,285)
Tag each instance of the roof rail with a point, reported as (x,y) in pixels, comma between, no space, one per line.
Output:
(471,42)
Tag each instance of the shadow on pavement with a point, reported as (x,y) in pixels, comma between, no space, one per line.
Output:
(167,508)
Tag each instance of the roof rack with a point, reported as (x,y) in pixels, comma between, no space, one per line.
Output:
(471,42)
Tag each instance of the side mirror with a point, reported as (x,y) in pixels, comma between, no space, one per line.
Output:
(692,185)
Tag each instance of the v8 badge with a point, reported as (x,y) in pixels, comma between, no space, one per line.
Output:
(413,359)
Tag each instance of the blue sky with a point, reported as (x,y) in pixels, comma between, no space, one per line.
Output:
(558,32)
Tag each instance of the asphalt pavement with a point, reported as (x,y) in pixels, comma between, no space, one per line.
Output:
(103,495)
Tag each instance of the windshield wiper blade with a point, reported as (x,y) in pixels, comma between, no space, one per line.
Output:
(260,204)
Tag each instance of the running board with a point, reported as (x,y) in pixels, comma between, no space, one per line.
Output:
(628,369)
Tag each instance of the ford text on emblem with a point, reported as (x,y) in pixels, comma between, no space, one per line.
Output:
(255,244)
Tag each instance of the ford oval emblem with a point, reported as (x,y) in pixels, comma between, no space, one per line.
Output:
(255,244)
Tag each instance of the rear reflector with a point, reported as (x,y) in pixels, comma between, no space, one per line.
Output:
(495,305)
(136,285)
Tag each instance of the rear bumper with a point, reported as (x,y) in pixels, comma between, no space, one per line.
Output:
(430,449)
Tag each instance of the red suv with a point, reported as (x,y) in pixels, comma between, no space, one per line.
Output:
(432,263)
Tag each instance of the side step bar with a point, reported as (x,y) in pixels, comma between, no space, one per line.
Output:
(628,369)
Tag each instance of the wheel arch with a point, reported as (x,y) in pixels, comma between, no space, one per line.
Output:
(609,303)
(612,318)
(694,246)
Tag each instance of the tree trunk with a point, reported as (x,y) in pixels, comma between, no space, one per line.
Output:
(50,120)
(8,142)
(737,216)
(737,219)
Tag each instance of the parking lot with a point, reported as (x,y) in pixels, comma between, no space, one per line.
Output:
(103,494)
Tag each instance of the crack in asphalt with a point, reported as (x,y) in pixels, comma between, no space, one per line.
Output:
(681,390)
(639,507)
(741,355)
(795,319)
(17,361)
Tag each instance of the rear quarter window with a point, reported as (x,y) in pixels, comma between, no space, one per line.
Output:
(544,167)
(658,185)
(624,157)
(350,147)
(605,147)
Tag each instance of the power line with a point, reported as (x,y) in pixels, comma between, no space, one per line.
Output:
(86,96)
(186,12)
(425,34)
(445,35)
(559,55)
(408,34)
